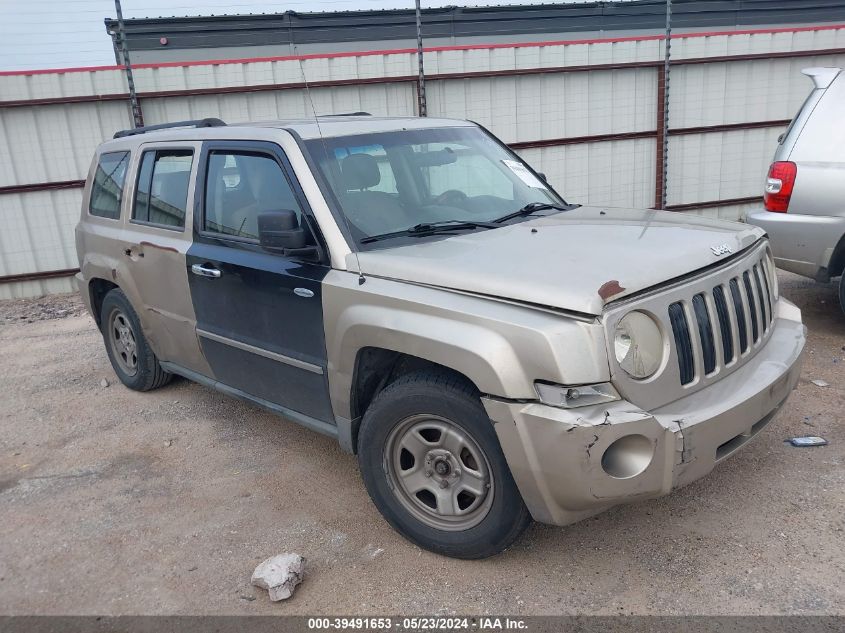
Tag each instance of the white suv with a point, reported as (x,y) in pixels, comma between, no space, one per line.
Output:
(805,188)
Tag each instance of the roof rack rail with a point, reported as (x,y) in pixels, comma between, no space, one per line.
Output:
(210,122)
(346,114)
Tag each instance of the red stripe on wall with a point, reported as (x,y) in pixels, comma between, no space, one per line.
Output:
(433,49)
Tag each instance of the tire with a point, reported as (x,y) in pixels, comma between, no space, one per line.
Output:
(440,418)
(842,292)
(130,354)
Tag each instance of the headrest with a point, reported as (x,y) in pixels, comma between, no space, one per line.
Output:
(360,171)
(268,184)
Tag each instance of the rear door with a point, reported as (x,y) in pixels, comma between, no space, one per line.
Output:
(154,242)
(259,314)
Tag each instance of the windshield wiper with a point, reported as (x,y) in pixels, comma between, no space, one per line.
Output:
(532,207)
(431,228)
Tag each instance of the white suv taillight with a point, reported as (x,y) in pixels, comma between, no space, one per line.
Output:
(779,184)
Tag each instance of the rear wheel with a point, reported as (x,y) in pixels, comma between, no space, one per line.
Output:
(133,361)
(433,466)
(842,291)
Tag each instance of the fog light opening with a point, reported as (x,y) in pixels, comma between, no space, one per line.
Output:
(628,456)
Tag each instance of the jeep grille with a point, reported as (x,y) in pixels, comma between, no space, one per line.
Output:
(710,313)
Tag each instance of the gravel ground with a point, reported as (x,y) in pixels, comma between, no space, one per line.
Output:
(115,502)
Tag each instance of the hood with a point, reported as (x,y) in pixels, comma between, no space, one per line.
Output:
(576,260)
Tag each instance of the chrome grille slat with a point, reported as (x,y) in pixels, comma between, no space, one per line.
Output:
(683,342)
(739,308)
(724,324)
(752,306)
(755,271)
(705,332)
(730,319)
(765,275)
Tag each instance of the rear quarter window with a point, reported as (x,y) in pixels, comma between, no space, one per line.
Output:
(107,188)
(819,136)
(789,128)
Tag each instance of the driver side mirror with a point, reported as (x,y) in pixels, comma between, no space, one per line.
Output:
(543,177)
(279,231)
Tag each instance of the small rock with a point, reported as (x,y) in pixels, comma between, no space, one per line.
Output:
(247,598)
(104,383)
(168,442)
(818,382)
(808,440)
(279,575)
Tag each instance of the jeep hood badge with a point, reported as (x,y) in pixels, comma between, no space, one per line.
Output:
(721,249)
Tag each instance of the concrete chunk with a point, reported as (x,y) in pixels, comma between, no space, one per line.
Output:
(279,575)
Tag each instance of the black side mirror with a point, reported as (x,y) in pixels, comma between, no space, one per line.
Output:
(543,177)
(279,231)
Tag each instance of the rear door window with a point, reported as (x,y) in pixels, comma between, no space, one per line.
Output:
(107,188)
(161,197)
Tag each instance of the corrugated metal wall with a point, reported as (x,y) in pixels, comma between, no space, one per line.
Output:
(586,114)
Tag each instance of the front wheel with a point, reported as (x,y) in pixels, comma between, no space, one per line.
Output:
(433,466)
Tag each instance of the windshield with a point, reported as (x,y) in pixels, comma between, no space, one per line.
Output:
(393,181)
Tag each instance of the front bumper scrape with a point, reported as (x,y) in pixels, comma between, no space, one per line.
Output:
(573,463)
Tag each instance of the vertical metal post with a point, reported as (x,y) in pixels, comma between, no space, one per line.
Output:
(665,130)
(137,115)
(421,79)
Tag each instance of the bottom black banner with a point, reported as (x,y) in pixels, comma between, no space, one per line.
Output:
(407,624)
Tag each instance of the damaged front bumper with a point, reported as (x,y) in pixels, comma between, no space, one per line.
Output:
(572,463)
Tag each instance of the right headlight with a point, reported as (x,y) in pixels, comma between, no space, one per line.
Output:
(638,345)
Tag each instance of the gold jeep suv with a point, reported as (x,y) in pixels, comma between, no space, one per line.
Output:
(414,289)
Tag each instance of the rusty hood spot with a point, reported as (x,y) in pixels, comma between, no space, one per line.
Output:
(610,288)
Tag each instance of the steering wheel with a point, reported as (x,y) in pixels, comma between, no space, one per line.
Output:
(451,197)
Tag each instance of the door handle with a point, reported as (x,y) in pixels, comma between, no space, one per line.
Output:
(303,292)
(204,271)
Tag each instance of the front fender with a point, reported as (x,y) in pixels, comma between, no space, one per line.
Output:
(501,347)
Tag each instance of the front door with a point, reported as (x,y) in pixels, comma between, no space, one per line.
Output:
(259,314)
